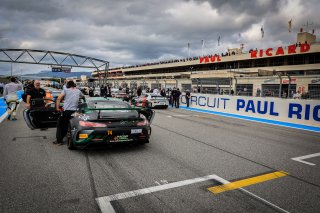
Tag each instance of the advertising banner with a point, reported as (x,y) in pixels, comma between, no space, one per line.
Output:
(295,111)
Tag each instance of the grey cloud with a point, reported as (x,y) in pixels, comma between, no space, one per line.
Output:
(131,32)
(254,8)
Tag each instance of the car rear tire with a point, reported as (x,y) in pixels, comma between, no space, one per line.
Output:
(69,139)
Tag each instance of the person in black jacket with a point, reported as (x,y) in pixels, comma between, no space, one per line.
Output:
(173,96)
(102,91)
(139,91)
(35,96)
(188,95)
(177,98)
(91,94)
(163,92)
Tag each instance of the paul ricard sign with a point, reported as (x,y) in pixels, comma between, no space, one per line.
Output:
(294,111)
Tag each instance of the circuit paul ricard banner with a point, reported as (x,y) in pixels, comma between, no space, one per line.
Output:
(296,111)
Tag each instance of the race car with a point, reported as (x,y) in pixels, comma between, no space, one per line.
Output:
(121,95)
(151,100)
(98,121)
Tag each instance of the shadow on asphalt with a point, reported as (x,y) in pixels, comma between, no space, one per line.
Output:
(113,148)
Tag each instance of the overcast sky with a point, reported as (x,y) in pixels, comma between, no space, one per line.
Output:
(129,32)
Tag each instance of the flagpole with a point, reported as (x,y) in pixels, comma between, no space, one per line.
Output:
(262,35)
(202,47)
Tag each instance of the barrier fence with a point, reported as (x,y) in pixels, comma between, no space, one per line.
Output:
(297,113)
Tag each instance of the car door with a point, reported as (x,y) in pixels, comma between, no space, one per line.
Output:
(40,118)
(148,113)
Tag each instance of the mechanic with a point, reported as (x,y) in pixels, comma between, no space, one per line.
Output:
(71,99)
(35,96)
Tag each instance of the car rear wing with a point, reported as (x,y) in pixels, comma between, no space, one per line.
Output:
(147,112)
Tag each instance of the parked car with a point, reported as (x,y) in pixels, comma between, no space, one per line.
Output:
(121,95)
(151,100)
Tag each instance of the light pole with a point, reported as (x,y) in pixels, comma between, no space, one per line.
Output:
(230,83)
(280,87)
(11,69)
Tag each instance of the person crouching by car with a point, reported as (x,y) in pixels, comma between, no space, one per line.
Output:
(71,99)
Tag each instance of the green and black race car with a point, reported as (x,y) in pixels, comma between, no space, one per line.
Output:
(98,120)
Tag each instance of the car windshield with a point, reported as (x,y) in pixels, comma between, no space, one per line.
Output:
(105,112)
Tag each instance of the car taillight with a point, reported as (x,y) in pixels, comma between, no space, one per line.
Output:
(91,124)
(143,123)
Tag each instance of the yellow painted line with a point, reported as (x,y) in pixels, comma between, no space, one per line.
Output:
(247,182)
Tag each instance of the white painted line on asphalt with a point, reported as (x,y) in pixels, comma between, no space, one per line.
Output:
(264,201)
(152,189)
(301,158)
(106,206)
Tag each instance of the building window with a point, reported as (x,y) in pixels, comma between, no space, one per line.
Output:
(211,81)
(314,91)
(185,87)
(244,89)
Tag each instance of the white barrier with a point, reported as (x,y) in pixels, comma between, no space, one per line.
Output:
(270,110)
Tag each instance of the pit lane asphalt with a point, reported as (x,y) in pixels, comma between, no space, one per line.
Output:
(37,176)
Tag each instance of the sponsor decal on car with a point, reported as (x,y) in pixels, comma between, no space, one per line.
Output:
(121,138)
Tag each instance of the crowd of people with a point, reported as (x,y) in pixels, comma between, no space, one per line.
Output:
(36,97)
(194,58)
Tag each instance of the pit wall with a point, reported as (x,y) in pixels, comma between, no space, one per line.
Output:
(295,113)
